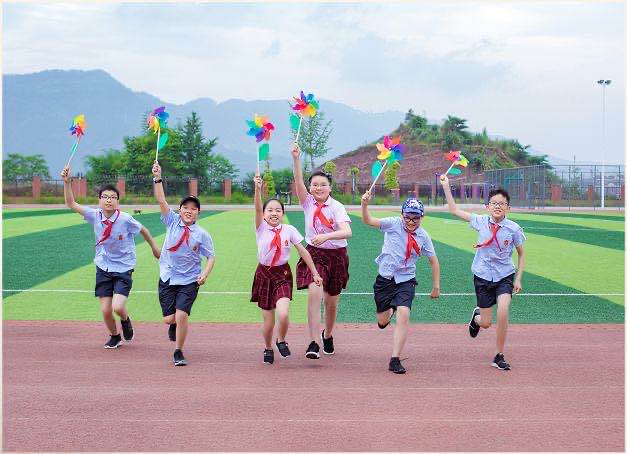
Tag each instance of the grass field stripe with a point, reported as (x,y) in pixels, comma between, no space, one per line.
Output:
(305,292)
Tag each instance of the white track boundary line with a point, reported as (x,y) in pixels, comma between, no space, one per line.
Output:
(34,290)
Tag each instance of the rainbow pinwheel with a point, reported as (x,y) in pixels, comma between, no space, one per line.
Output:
(156,120)
(306,106)
(77,129)
(457,159)
(390,151)
(260,127)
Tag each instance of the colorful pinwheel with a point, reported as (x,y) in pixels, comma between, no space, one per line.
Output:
(390,151)
(457,159)
(260,128)
(306,106)
(77,129)
(156,120)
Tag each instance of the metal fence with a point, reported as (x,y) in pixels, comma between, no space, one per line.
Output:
(581,185)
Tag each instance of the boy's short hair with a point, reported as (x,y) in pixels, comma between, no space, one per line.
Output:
(190,198)
(321,173)
(265,204)
(108,187)
(498,191)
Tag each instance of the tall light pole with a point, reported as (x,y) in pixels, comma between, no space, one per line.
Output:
(603,83)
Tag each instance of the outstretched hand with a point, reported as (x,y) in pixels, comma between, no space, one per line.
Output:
(366,198)
(295,151)
(65,174)
(258,182)
(156,170)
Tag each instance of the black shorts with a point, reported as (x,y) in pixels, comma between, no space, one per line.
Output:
(388,294)
(488,291)
(173,297)
(110,282)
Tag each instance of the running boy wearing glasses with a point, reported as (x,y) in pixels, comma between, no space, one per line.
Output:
(115,255)
(495,277)
(404,241)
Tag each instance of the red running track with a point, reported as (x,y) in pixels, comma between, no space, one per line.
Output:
(63,392)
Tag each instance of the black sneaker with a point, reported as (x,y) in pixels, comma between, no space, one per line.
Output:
(268,356)
(313,351)
(473,326)
(327,344)
(284,350)
(382,326)
(499,362)
(396,366)
(179,359)
(114,341)
(172,332)
(127,329)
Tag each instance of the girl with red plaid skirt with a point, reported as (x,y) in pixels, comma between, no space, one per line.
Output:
(273,283)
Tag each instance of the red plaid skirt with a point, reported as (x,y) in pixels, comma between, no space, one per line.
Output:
(271,283)
(332,265)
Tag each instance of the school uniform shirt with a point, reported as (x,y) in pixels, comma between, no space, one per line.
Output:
(182,266)
(266,248)
(333,211)
(494,261)
(117,252)
(391,261)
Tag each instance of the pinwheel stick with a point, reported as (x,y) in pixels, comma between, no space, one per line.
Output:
(447,171)
(378,175)
(299,125)
(158,138)
(74,148)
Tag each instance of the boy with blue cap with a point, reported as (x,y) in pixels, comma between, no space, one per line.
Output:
(395,286)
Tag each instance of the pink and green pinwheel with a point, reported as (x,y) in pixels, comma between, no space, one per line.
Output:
(457,159)
(390,151)
(260,127)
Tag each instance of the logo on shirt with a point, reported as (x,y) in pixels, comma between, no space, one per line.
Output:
(120,237)
(286,243)
(195,248)
(506,242)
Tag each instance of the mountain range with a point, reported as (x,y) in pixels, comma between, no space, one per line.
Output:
(38,109)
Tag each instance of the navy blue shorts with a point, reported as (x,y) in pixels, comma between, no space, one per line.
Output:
(388,294)
(173,297)
(488,291)
(110,282)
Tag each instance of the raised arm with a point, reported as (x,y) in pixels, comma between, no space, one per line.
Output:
(151,241)
(67,192)
(258,202)
(301,189)
(159,194)
(365,214)
(452,207)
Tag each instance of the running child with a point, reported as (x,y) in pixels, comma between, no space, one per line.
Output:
(273,283)
(495,277)
(115,256)
(180,274)
(327,227)
(404,241)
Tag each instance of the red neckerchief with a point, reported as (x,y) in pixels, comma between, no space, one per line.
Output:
(411,244)
(320,215)
(493,228)
(109,227)
(184,237)
(276,242)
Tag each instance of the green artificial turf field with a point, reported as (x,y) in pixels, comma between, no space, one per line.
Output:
(574,271)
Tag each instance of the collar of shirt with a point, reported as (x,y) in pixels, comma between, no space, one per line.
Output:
(191,227)
(326,203)
(103,217)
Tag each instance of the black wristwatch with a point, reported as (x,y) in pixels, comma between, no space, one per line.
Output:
(157,181)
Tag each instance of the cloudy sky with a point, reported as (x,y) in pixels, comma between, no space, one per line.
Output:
(525,70)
